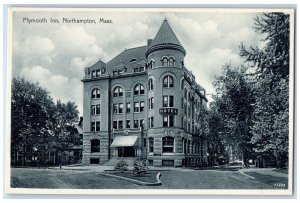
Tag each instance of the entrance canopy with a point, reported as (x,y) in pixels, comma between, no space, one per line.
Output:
(125,141)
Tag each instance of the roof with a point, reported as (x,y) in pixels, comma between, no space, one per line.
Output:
(126,58)
(165,38)
(125,141)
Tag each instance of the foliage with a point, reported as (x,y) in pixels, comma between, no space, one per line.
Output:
(271,91)
(234,107)
(121,166)
(139,168)
(251,111)
(37,123)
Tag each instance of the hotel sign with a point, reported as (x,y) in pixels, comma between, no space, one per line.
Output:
(169,111)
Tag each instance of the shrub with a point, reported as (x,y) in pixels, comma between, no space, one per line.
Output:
(121,166)
(139,168)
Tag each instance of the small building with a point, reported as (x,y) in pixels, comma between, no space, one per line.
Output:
(144,104)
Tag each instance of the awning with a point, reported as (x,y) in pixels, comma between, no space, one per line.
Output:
(124,141)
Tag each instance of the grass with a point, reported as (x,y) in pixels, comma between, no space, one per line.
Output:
(282,170)
(149,177)
(276,182)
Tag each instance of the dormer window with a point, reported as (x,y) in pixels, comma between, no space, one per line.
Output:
(133,60)
(142,69)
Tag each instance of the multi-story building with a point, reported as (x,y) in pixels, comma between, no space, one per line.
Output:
(144,103)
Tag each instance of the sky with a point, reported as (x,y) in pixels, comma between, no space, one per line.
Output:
(55,54)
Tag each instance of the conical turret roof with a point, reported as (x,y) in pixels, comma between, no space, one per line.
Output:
(165,39)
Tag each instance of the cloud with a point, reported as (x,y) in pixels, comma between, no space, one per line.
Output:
(55,55)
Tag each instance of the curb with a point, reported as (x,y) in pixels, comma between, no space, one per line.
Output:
(246,175)
(158,182)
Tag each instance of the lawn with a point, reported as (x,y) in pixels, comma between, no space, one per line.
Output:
(148,177)
(276,182)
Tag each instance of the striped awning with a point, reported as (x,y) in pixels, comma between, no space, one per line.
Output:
(125,141)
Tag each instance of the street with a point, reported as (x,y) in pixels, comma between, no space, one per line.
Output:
(83,178)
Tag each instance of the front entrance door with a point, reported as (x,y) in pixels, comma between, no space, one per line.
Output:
(126,152)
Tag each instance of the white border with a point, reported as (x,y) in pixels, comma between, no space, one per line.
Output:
(157,192)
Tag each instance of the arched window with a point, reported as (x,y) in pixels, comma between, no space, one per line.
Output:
(118,91)
(95,93)
(168,81)
(150,84)
(172,61)
(165,61)
(167,144)
(95,145)
(139,89)
(150,64)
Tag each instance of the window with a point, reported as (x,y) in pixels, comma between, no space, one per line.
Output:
(171,61)
(185,93)
(128,107)
(142,69)
(150,84)
(136,123)
(151,122)
(115,72)
(139,106)
(115,108)
(168,121)
(151,144)
(188,146)
(95,109)
(165,61)
(118,92)
(95,146)
(150,65)
(98,73)
(115,124)
(127,123)
(168,101)
(95,93)
(118,124)
(168,81)
(142,106)
(139,89)
(167,144)
(151,103)
(95,126)
(182,84)
(142,123)
(136,70)
(118,108)
(93,74)
(136,106)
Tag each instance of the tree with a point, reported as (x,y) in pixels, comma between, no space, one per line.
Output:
(31,108)
(216,148)
(234,107)
(271,90)
(37,124)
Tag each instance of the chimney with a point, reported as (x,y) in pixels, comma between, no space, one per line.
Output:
(149,41)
